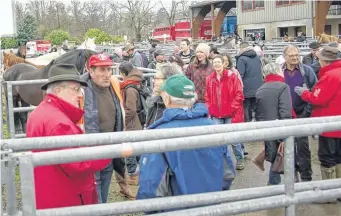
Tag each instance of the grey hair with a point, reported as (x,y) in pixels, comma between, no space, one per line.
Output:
(272,68)
(186,102)
(51,87)
(285,50)
(168,69)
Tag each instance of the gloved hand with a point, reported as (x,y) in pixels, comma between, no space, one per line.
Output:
(299,90)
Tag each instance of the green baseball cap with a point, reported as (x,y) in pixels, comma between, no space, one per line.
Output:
(179,86)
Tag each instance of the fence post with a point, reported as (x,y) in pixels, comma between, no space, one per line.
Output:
(10,110)
(1,113)
(289,173)
(27,184)
(11,191)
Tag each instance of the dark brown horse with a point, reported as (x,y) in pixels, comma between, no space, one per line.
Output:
(32,94)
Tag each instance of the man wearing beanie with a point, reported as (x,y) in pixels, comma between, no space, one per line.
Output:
(249,67)
(199,69)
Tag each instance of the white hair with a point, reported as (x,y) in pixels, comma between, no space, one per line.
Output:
(186,102)
(272,68)
(52,87)
(289,47)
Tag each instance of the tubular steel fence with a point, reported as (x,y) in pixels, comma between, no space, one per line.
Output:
(16,151)
(142,142)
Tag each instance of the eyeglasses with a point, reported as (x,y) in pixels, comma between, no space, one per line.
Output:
(76,89)
(159,78)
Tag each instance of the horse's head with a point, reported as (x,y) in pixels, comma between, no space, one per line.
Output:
(89,43)
(22,51)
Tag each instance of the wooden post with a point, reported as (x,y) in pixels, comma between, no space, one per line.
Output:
(321,12)
(212,20)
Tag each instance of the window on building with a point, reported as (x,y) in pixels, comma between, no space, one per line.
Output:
(288,2)
(339,29)
(328,29)
(252,5)
(283,31)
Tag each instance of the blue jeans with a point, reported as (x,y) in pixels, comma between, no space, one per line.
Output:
(227,184)
(132,167)
(103,179)
(237,148)
(274,178)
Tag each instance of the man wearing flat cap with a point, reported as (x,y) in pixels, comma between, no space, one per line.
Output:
(311,57)
(62,185)
(134,57)
(316,65)
(326,100)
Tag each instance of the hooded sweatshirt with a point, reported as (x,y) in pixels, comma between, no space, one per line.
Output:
(131,100)
(249,67)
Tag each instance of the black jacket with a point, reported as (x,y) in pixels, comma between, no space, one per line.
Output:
(308,59)
(155,109)
(249,67)
(273,101)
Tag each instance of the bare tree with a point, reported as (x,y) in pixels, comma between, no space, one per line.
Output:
(178,9)
(132,17)
(138,14)
(20,11)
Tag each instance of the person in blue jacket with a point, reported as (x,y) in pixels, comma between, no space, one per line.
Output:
(188,171)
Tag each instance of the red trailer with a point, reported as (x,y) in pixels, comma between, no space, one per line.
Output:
(182,30)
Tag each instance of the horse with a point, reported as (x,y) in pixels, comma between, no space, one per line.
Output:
(324,38)
(89,43)
(32,94)
(47,58)
(11,59)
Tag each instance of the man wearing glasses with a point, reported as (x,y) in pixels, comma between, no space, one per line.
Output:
(58,114)
(298,74)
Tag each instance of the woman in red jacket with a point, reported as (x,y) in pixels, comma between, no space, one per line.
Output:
(224,100)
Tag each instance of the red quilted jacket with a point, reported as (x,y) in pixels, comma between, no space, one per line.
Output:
(224,98)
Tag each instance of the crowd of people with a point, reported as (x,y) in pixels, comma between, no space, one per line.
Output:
(193,88)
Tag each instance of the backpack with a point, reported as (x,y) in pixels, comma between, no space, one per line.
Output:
(144,93)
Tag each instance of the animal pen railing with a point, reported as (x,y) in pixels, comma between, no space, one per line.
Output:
(141,142)
(11,109)
(123,144)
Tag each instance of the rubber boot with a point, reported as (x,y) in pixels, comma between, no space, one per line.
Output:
(338,175)
(328,173)
(124,187)
(259,159)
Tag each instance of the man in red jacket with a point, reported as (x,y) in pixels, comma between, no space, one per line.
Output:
(326,100)
(70,184)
